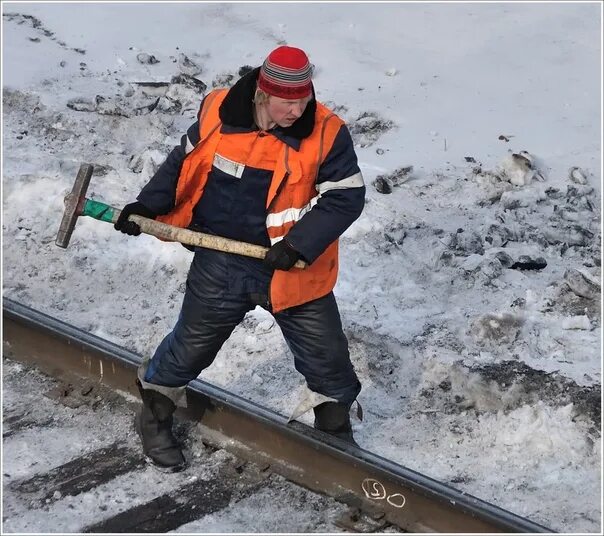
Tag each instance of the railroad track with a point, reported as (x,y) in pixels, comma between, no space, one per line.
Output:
(384,492)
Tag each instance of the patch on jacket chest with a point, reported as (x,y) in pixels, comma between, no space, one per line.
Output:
(230,167)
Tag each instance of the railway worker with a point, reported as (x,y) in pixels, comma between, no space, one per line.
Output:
(267,164)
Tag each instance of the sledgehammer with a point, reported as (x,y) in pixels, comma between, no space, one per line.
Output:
(76,205)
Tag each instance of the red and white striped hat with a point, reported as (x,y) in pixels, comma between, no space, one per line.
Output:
(286,73)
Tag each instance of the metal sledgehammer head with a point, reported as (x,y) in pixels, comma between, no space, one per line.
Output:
(74,204)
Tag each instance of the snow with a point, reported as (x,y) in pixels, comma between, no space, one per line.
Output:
(56,434)
(434,312)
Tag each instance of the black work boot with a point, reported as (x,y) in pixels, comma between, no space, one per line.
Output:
(334,418)
(154,426)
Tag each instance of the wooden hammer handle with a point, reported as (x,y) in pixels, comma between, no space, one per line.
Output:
(195,238)
(103,212)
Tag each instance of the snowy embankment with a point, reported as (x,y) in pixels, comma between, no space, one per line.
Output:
(470,286)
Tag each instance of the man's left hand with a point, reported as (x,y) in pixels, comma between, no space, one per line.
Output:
(281,256)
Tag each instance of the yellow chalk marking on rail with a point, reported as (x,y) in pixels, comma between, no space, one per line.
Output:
(375,490)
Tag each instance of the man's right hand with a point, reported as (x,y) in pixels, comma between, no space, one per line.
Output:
(129,227)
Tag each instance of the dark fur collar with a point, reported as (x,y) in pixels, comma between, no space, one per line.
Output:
(236,109)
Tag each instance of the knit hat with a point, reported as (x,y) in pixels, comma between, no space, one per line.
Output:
(286,73)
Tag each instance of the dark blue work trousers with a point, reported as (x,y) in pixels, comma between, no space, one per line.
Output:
(221,289)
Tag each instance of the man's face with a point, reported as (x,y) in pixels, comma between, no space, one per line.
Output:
(285,111)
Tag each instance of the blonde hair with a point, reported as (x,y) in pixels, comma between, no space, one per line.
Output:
(260,97)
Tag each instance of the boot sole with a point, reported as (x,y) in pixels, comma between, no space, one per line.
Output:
(163,468)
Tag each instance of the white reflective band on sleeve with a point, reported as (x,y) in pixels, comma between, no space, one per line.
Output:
(354,181)
(275,240)
(291,214)
(228,166)
(189,147)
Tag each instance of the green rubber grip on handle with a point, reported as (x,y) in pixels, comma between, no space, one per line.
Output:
(99,211)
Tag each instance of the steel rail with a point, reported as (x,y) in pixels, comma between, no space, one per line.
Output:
(405,498)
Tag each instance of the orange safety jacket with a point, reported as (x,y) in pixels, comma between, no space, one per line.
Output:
(292,193)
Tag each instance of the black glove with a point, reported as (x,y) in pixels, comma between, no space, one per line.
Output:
(129,227)
(281,256)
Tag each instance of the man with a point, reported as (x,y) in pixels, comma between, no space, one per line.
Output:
(267,164)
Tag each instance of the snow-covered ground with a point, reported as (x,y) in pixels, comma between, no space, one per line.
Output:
(46,431)
(475,371)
